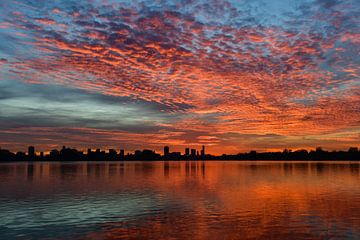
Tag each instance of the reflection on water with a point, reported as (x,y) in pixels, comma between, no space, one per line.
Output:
(180,200)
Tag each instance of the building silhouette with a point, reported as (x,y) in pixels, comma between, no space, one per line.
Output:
(187,151)
(193,153)
(166,151)
(31,152)
(112,154)
(203,152)
(122,153)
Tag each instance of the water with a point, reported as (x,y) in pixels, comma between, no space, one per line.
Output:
(180,200)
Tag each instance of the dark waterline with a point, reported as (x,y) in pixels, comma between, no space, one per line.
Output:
(180,200)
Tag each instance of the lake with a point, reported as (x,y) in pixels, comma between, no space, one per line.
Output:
(180,200)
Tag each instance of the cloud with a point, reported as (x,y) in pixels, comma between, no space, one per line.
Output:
(290,72)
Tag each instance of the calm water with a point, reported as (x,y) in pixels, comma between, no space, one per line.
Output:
(180,200)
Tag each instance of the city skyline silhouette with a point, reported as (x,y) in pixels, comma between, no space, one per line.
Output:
(71,154)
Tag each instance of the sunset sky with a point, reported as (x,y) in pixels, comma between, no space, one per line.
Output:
(234,75)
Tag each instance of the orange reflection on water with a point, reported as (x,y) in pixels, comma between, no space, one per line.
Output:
(206,200)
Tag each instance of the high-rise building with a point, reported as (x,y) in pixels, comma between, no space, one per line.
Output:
(187,151)
(122,153)
(31,151)
(203,151)
(112,152)
(166,151)
(193,153)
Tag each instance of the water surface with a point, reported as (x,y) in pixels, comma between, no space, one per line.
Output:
(180,200)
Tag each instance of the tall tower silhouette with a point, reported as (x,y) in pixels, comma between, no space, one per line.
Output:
(203,152)
(31,151)
(187,151)
(166,151)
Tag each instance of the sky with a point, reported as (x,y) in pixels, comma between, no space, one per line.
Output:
(233,75)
